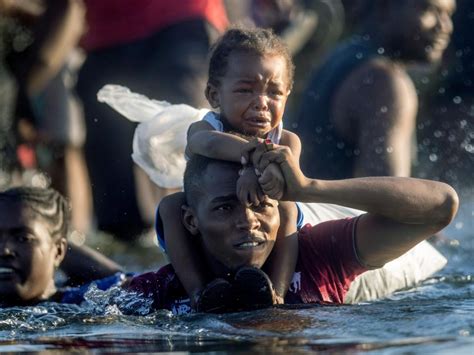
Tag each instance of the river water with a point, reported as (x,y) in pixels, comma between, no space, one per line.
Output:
(437,317)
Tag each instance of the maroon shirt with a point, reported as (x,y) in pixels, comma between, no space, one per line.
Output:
(327,264)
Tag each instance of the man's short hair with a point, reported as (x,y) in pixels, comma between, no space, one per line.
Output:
(194,174)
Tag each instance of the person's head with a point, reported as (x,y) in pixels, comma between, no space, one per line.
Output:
(231,234)
(33,231)
(250,77)
(414,30)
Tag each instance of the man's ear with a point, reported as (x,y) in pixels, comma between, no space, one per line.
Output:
(212,95)
(189,219)
(61,247)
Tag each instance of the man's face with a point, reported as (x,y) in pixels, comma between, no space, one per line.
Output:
(252,94)
(421,29)
(231,233)
(28,255)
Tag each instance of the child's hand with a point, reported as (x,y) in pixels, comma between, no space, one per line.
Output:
(249,191)
(253,151)
(272,182)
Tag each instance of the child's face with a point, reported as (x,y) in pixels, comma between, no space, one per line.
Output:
(253,93)
(28,255)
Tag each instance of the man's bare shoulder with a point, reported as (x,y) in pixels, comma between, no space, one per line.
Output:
(378,73)
(377,83)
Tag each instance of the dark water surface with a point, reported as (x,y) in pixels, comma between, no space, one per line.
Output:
(437,317)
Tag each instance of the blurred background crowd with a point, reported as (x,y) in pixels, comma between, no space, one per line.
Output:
(382,87)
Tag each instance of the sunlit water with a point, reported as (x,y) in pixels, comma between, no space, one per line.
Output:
(436,317)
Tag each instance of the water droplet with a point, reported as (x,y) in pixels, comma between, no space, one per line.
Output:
(381,50)
(389,149)
(457,100)
(433,157)
(359,55)
(459,225)
(384,109)
(438,133)
(77,237)
(425,80)
(379,150)
(441,90)
(40,180)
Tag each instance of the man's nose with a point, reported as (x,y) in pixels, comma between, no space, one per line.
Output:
(445,23)
(6,247)
(247,219)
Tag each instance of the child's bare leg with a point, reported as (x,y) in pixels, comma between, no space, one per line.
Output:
(281,264)
(181,248)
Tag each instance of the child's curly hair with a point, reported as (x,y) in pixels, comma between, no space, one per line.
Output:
(253,40)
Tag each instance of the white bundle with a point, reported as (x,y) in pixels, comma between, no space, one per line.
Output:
(160,137)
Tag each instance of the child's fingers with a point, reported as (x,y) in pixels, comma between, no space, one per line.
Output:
(247,150)
(275,192)
(254,198)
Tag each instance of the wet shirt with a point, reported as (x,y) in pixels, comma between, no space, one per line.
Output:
(327,264)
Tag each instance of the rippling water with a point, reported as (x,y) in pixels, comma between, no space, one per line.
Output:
(436,317)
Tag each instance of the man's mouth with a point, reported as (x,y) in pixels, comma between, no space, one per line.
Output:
(249,244)
(6,273)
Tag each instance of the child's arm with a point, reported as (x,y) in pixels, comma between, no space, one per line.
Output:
(281,264)
(180,246)
(282,261)
(204,140)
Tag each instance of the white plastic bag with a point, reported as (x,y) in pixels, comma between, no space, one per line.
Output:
(160,138)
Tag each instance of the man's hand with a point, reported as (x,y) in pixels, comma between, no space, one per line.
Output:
(282,156)
(249,191)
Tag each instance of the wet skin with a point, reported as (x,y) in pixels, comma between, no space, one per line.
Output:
(420,29)
(253,93)
(232,234)
(28,255)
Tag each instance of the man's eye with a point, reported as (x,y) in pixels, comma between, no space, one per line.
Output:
(223,208)
(263,206)
(243,90)
(24,237)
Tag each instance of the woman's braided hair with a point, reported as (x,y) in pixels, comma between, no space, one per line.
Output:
(252,40)
(47,203)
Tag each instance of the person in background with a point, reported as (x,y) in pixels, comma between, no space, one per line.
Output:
(358,113)
(158,48)
(47,122)
(33,245)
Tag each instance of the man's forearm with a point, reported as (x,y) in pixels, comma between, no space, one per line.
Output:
(406,200)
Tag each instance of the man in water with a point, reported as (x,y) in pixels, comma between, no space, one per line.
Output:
(401,212)
(358,114)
